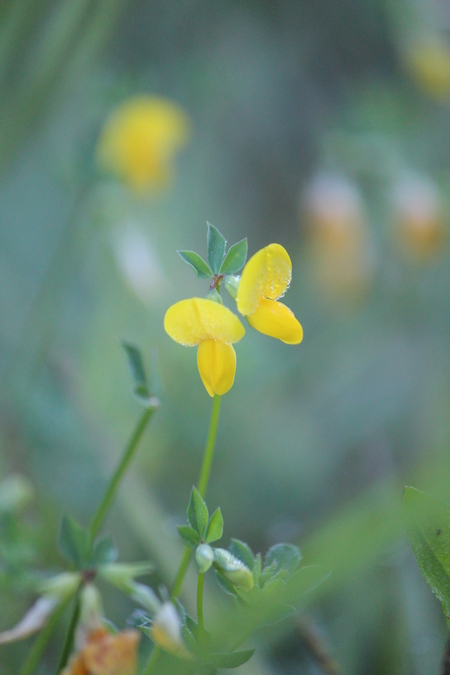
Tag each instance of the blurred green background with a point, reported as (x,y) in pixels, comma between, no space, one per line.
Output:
(322,126)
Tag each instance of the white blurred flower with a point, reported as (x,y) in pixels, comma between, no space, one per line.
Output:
(139,261)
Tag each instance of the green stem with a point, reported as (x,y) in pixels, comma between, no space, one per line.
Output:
(209,449)
(201,626)
(120,471)
(184,564)
(68,642)
(205,471)
(41,642)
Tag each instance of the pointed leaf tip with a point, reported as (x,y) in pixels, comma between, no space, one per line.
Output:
(197,513)
(216,244)
(235,258)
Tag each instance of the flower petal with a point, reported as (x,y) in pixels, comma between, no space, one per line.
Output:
(196,319)
(266,275)
(216,362)
(111,654)
(275,319)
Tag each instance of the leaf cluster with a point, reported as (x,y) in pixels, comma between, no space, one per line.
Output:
(202,528)
(220,261)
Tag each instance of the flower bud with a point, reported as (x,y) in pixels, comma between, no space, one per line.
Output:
(62,587)
(233,569)
(91,609)
(165,630)
(204,557)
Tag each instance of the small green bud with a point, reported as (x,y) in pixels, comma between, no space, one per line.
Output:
(204,557)
(62,587)
(91,608)
(233,569)
(122,575)
(231,283)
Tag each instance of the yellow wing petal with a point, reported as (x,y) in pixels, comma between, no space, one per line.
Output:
(275,319)
(196,319)
(266,275)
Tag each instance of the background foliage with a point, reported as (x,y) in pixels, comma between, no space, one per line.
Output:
(295,106)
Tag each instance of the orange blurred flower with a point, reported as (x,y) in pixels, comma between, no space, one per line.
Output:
(106,653)
(420,228)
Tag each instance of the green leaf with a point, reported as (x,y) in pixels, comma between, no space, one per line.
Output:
(214,530)
(104,552)
(242,552)
(197,513)
(206,669)
(73,542)
(283,557)
(197,263)
(428,527)
(232,659)
(235,258)
(216,248)
(189,536)
(141,389)
(189,639)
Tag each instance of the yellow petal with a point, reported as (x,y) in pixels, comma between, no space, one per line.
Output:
(196,319)
(139,140)
(217,366)
(275,319)
(266,275)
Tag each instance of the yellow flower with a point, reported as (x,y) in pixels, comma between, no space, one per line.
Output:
(213,327)
(429,61)
(140,139)
(265,279)
(106,653)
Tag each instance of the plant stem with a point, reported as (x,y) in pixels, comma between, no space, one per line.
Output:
(184,564)
(41,642)
(205,471)
(209,449)
(103,508)
(121,469)
(68,642)
(200,606)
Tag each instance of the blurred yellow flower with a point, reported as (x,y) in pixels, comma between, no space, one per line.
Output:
(342,255)
(420,229)
(213,327)
(140,139)
(265,279)
(429,62)
(106,653)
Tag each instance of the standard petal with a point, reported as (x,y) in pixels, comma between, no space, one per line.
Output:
(266,275)
(275,319)
(191,321)
(217,366)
